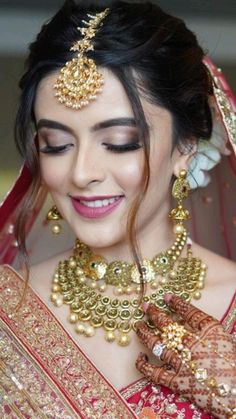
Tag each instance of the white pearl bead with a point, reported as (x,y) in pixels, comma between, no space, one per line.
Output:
(59,301)
(56,229)
(102,287)
(54,296)
(55,288)
(128,290)
(124,339)
(73,317)
(89,331)
(118,291)
(79,328)
(93,285)
(110,336)
(154,285)
(178,228)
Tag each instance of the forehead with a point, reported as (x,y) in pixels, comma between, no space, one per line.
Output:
(111,102)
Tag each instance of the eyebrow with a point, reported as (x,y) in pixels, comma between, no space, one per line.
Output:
(122,122)
(127,122)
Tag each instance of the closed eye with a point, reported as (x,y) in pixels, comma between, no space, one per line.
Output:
(122,148)
(48,149)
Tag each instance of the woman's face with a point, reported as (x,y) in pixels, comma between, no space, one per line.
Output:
(92,161)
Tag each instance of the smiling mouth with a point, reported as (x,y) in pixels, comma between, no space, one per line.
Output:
(99,203)
(94,207)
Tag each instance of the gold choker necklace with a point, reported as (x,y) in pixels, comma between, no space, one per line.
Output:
(81,281)
(120,273)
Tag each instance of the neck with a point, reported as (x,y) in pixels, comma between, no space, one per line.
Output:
(152,239)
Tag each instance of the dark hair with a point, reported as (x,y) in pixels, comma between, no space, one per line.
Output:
(151,52)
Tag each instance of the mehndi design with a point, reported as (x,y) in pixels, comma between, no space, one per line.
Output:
(199,376)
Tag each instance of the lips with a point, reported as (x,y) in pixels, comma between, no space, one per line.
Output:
(97,206)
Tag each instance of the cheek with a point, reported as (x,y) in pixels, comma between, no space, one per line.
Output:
(53,172)
(161,170)
(129,172)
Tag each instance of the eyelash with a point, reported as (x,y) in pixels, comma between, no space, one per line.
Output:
(114,148)
(48,149)
(123,148)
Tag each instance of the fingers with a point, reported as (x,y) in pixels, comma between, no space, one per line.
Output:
(150,340)
(158,317)
(146,336)
(157,375)
(194,317)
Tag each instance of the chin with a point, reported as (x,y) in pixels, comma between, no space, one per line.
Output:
(100,237)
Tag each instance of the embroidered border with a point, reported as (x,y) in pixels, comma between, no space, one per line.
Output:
(229,320)
(44,338)
(24,388)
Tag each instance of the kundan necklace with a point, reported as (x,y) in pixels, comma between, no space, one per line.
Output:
(81,281)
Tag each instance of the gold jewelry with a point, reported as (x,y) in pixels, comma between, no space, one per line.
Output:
(123,274)
(180,191)
(89,309)
(81,280)
(79,80)
(54,215)
(172,336)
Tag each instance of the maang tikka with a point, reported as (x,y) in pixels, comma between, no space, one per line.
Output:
(79,80)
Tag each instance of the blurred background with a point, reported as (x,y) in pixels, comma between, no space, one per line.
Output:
(214,22)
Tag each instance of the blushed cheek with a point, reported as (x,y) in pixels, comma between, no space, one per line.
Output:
(53,174)
(130,175)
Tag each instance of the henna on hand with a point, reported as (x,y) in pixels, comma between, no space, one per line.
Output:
(212,363)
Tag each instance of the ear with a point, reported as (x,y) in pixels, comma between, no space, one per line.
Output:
(182,156)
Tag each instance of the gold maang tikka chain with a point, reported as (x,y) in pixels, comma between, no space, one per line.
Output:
(81,281)
(79,80)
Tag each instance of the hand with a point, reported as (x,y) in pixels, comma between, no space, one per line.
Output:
(212,356)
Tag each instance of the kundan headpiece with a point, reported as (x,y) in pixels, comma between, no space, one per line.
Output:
(79,80)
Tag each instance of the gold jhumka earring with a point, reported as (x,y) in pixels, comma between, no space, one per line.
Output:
(180,191)
(54,215)
(190,269)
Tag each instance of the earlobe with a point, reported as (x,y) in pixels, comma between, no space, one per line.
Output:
(184,157)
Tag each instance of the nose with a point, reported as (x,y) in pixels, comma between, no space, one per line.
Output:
(88,166)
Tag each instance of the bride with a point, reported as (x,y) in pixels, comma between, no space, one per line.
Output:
(121,117)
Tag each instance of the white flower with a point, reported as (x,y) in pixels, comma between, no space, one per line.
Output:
(207,156)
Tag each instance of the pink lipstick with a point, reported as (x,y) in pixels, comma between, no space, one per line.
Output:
(96,206)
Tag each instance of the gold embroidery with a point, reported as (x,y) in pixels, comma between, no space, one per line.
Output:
(24,390)
(33,323)
(153,399)
(230,318)
(134,388)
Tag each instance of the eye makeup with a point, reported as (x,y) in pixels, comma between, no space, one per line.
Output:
(55,149)
(122,148)
(120,136)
